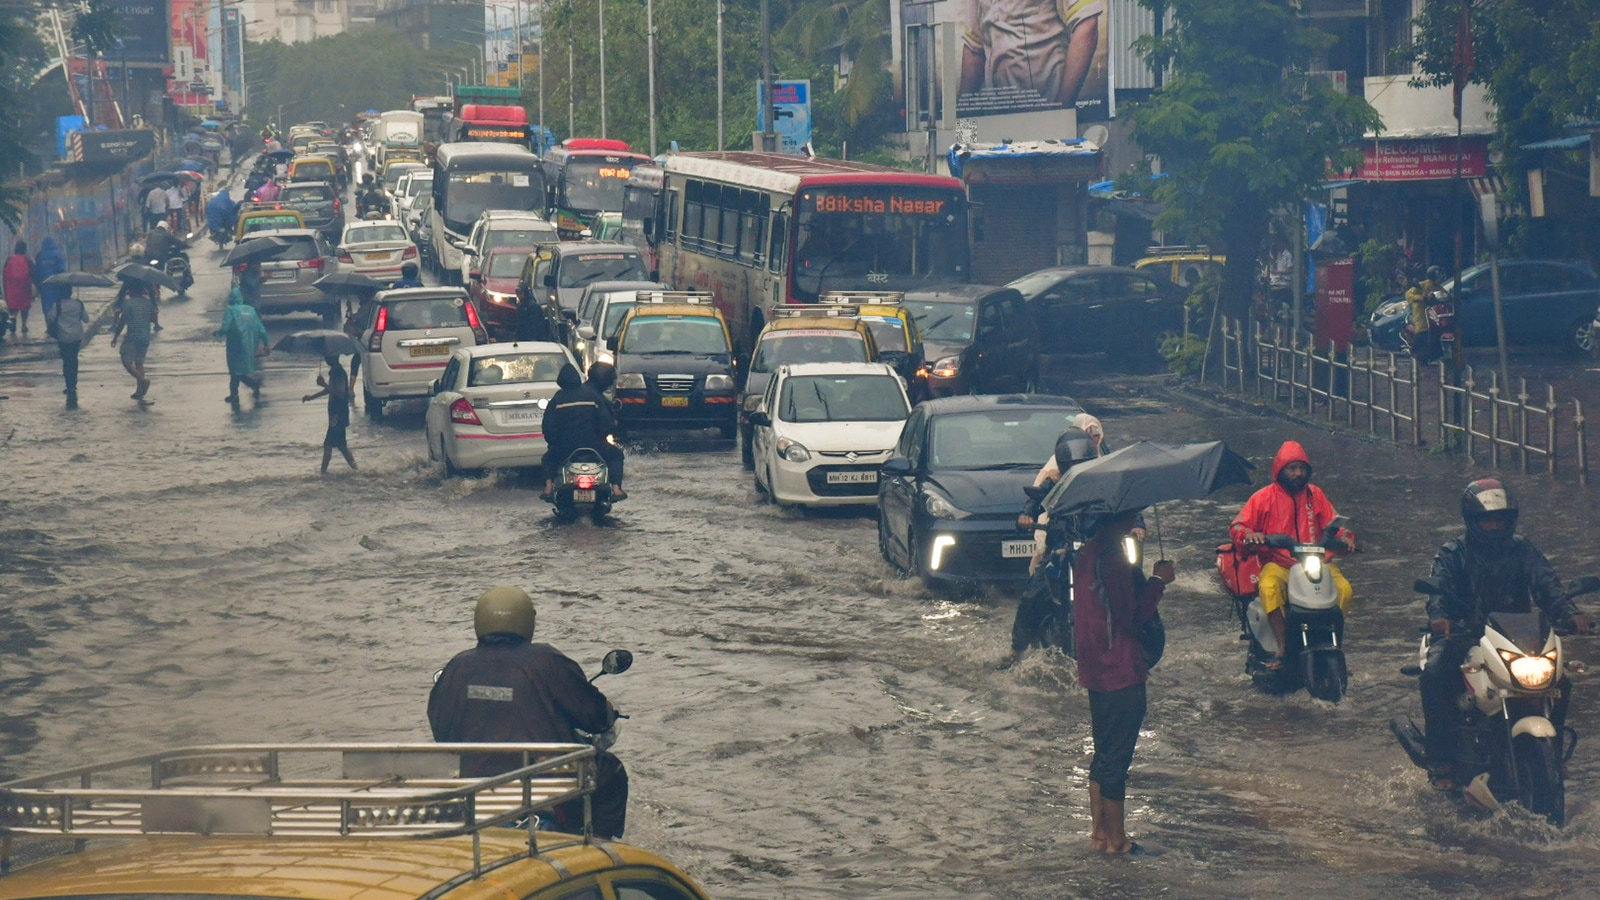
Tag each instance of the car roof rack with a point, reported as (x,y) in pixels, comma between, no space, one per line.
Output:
(863,298)
(393,791)
(689,298)
(1178,249)
(818,311)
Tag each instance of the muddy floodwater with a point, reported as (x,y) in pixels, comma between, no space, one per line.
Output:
(805,722)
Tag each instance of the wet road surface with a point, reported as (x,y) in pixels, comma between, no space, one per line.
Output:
(805,723)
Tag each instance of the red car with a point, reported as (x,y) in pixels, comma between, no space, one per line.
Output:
(494,290)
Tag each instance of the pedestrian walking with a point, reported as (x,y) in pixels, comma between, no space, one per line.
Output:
(1111,602)
(336,387)
(155,207)
(50,261)
(249,283)
(17,281)
(65,322)
(247,344)
(175,208)
(135,316)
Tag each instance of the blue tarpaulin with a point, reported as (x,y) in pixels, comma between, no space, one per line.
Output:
(960,153)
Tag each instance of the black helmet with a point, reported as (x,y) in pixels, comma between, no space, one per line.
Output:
(1435,274)
(1072,447)
(1489,500)
(505,610)
(409,270)
(603,374)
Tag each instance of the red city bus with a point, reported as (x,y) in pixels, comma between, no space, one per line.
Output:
(759,229)
(585,178)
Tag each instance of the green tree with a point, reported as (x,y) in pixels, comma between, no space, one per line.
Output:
(332,78)
(1241,132)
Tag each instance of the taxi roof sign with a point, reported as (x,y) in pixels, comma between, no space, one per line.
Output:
(863,298)
(688,298)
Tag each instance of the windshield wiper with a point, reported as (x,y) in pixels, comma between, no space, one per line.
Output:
(927,330)
(816,388)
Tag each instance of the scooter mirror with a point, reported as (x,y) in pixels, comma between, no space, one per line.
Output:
(616,662)
(1427,586)
(1583,584)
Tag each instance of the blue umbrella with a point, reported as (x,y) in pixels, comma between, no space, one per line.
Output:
(211,123)
(192,165)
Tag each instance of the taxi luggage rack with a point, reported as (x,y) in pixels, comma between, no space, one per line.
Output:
(863,298)
(692,298)
(817,311)
(383,791)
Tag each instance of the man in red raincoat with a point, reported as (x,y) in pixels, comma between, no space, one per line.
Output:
(1290,505)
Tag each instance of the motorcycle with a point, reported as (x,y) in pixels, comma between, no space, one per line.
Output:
(221,236)
(1506,746)
(584,482)
(177,266)
(1314,623)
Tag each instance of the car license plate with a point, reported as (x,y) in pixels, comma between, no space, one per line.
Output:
(1012,549)
(376,257)
(524,415)
(674,401)
(431,350)
(583,496)
(852,477)
(278,275)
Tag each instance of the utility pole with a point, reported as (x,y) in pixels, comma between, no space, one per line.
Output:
(571,128)
(650,33)
(722,141)
(541,73)
(602,5)
(769,138)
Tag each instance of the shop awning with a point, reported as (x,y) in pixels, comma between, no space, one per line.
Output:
(1026,161)
(1566,143)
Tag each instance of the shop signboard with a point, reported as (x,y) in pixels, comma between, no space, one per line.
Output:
(1335,299)
(1430,159)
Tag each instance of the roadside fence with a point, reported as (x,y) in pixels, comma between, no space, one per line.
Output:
(1390,393)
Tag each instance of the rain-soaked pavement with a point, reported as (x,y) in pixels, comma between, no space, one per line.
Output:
(805,723)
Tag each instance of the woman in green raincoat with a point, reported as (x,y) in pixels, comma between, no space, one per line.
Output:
(247,343)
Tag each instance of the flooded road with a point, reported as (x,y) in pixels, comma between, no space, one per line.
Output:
(805,723)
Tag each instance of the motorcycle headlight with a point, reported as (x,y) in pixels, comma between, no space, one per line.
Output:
(1532,672)
(719,382)
(940,507)
(793,451)
(948,367)
(1313,568)
(630,381)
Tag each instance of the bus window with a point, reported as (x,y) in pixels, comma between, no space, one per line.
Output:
(776,256)
(672,215)
(729,244)
(755,221)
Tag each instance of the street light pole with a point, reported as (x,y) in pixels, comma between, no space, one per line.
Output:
(722,140)
(768,136)
(650,48)
(602,5)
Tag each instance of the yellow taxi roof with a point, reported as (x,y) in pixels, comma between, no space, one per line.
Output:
(347,869)
(839,323)
(674,309)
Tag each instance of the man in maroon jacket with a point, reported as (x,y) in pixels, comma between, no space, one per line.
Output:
(511,690)
(1111,599)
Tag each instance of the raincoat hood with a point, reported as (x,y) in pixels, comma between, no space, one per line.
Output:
(1290,452)
(48,247)
(568,377)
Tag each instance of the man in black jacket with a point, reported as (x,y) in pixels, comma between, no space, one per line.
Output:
(1487,570)
(577,416)
(511,690)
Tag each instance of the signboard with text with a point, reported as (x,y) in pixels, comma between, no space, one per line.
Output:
(142,32)
(110,146)
(791,108)
(1335,298)
(1422,160)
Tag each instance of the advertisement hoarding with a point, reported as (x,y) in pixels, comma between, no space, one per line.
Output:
(142,32)
(188,33)
(1034,55)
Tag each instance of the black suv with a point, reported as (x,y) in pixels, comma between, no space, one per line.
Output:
(318,203)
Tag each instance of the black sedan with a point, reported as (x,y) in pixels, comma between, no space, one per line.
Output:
(1105,314)
(1545,302)
(948,498)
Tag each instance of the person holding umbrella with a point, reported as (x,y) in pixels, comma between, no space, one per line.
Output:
(247,343)
(65,320)
(336,387)
(135,316)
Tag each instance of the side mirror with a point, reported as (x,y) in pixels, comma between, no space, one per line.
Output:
(433,387)
(550,280)
(1584,584)
(1427,586)
(760,419)
(586,331)
(611,344)
(469,251)
(897,467)
(475,273)
(616,662)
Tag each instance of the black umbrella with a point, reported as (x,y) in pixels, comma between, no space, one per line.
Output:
(254,250)
(155,177)
(80,279)
(1144,474)
(279,155)
(141,272)
(347,283)
(318,342)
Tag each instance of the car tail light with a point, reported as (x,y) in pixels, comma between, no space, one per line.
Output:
(336,207)
(585,482)
(411,253)
(476,324)
(314,262)
(462,413)
(345,258)
(375,344)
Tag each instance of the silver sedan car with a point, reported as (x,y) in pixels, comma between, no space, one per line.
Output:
(376,250)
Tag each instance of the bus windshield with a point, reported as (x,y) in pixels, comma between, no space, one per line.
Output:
(878,238)
(468,194)
(594,185)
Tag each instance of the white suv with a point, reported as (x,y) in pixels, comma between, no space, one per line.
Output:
(407,336)
(823,429)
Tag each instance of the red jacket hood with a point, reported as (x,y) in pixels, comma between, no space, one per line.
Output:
(1291,451)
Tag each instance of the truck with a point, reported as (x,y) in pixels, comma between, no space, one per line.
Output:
(397,129)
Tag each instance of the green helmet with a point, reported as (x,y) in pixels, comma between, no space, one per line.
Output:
(505,610)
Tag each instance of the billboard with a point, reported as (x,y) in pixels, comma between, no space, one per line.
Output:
(791,113)
(1022,56)
(1431,159)
(190,50)
(141,31)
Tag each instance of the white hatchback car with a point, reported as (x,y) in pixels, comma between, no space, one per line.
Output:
(407,338)
(487,408)
(823,429)
(376,250)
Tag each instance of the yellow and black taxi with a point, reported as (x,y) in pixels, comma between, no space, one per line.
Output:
(675,364)
(255,217)
(894,330)
(1184,266)
(321,822)
(799,334)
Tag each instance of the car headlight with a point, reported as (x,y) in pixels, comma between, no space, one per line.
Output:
(793,451)
(1389,309)
(1532,672)
(940,507)
(948,367)
(630,381)
(719,382)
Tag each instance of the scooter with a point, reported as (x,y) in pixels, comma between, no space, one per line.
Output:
(1314,623)
(1506,746)
(585,482)
(222,237)
(177,266)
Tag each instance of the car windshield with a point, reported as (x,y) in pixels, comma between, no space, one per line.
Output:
(997,439)
(580,269)
(675,334)
(888,332)
(275,220)
(1036,283)
(515,368)
(515,237)
(615,311)
(437,312)
(842,398)
(369,233)
(416,185)
(392,177)
(783,348)
(505,265)
(943,321)
(313,170)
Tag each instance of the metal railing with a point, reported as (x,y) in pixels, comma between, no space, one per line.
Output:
(1386,393)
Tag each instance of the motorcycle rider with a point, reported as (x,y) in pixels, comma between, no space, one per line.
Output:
(508,689)
(222,212)
(1290,505)
(372,197)
(1490,568)
(408,277)
(578,417)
